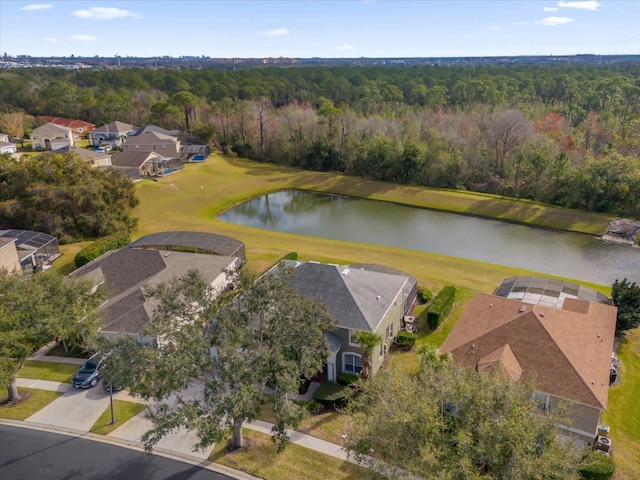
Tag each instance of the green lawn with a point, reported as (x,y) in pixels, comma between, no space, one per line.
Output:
(54,371)
(623,410)
(122,411)
(34,400)
(262,460)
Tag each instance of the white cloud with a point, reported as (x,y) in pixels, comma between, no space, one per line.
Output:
(278,32)
(51,39)
(84,38)
(495,28)
(37,6)
(105,13)
(550,9)
(584,5)
(553,21)
(344,47)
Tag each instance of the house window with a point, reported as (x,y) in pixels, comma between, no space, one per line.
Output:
(351,363)
(35,137)
(542,399)
(352,338)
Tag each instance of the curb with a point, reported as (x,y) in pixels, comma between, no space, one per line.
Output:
(181,457)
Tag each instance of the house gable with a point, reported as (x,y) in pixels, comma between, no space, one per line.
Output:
(559,350)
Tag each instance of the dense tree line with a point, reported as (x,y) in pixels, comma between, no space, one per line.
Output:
(64,196)
(566,135)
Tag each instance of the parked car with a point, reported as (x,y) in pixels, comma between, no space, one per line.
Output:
(89,374)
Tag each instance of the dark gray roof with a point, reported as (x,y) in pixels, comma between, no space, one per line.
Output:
(334,342)
(127,272)
(116,127)
(197,241)
(84,153)
(131,159)
(358,299)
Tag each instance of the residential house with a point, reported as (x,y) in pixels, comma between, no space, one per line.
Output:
(137,164)
(165,145)
(8,147)
(34,250)
(94,158)
(361,298)
(158,258)
(79,128)
(113,133)
(51,137)
(565,351)
(4,137)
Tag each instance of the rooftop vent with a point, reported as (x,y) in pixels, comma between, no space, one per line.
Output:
(541,312)
(378,297)
(522,308)
(345,271)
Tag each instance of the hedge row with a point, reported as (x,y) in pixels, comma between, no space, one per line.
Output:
(441,306)
(100,246)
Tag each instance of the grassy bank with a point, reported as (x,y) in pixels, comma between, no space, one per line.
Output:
(191,198)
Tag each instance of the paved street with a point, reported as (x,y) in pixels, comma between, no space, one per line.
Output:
(27,454)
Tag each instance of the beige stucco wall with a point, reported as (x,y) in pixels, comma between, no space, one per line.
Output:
(9,257)
(584,419)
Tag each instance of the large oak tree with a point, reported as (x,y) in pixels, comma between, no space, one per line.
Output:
(262,333)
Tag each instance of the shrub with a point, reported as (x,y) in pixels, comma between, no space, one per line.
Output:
(100,246)
(406,340)
(597,466)
(347,379)
(331,395)
(312,406)
(291,256)
(440,307)
(424,295)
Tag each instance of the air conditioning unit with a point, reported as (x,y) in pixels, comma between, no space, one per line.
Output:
(602,444)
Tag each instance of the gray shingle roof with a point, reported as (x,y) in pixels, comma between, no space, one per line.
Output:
(129,271)
(116,127)
(358,299)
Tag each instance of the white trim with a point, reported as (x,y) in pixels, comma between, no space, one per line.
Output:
(575,430)
(344,362)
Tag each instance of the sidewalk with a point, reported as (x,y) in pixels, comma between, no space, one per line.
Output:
(78,410)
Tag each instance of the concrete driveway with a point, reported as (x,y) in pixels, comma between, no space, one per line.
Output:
(77,409)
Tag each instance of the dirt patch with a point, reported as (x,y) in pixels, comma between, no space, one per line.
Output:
(24,396)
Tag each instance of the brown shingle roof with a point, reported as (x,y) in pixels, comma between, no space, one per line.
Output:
(566,352)
(503,360)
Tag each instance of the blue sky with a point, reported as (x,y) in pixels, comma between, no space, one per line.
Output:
(326,28)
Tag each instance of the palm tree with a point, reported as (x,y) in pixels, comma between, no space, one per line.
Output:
(368,341)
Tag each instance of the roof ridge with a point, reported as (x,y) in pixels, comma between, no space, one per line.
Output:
(351,296)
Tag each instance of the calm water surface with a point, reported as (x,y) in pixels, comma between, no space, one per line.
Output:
(368,221)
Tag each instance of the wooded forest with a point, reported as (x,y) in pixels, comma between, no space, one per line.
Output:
(567,134)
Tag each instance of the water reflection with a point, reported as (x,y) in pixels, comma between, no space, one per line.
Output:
(368,221)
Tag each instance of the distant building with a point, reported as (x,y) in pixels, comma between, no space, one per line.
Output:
(113,133)
(79,128)
(35,250)
(51,137)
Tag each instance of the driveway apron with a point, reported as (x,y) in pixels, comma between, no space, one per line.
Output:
(77,409)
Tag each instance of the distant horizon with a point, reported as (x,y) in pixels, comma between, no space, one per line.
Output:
(345,29)
(22,55)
